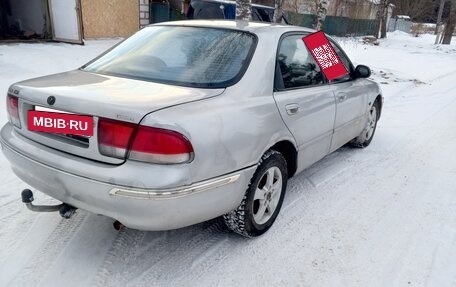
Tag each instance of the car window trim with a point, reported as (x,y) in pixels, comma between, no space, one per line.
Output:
(351,66)
(276,89)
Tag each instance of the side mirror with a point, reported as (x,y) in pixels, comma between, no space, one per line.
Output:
(362,71)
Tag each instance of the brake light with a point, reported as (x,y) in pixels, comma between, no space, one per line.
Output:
(160,146)
(114,137)
(144,143)
(12,106)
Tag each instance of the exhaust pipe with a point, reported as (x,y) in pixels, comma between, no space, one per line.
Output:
(118,225)
(65,210)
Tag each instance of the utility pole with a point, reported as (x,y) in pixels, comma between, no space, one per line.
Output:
(439,22)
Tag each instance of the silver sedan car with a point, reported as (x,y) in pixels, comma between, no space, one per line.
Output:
(187,121)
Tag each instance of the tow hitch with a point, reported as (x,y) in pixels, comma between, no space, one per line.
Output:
(65,210)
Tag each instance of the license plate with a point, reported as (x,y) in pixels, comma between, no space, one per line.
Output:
(61,123)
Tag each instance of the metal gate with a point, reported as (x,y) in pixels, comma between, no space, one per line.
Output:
(162,12)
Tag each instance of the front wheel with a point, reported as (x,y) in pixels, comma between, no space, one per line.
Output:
(365,138)
(263,199)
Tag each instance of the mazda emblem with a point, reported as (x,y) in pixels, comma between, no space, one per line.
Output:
(51,100)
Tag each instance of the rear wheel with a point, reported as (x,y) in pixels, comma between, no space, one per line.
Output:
(366,136)
(263,199)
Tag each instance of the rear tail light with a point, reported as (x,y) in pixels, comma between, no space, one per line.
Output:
(12,105)
(160,146)
(114,137)
(148,144)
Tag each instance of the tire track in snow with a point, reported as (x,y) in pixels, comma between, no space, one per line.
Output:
(409,88)
(201,252)
(443,76)
(9,210)
(221,248)
(345,159)
(210,233)
(135,253)
(126,243)
(43,260)
(214,254)
(304,226)
(295,217)
(14,211)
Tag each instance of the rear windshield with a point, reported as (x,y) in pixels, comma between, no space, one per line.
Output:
(185,56)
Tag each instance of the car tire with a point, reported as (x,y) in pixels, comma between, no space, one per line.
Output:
(366,136)
(263,198)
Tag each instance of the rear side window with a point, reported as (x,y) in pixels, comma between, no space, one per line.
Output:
(186,56)
(296,66)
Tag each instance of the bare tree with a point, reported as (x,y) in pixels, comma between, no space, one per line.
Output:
(322,6)
(338,7)
(278,11)
(384,19)
(416,9)
(439,18)
(292,6)
(450,24)
(382,14)
(244,10)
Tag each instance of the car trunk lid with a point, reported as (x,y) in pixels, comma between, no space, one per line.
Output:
(96,95)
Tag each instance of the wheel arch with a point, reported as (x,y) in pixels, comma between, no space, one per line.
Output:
(379,99)
(289,152)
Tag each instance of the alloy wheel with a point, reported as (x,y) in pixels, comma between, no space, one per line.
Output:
(267,195)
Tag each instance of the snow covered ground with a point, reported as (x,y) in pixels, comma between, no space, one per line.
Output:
(382,216)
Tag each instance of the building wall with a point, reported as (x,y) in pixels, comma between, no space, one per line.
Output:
(143,12)
(110,18)
(29,13)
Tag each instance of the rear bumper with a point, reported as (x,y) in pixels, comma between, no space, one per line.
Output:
(145,208)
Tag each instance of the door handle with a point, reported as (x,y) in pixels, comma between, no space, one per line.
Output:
(292,108)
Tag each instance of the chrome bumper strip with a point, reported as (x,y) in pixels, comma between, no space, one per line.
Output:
(171,193)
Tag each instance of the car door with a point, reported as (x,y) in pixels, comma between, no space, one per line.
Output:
(66,20)
(305,101)
(351,104)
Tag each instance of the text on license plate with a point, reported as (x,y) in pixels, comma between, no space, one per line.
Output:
(62,123)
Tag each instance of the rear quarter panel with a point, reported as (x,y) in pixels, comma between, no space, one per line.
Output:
(227,133)
(233,130)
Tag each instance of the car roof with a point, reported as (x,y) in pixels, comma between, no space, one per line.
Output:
(250,26)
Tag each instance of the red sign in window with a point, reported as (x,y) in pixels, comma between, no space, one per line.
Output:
(325,55)
(61,123)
